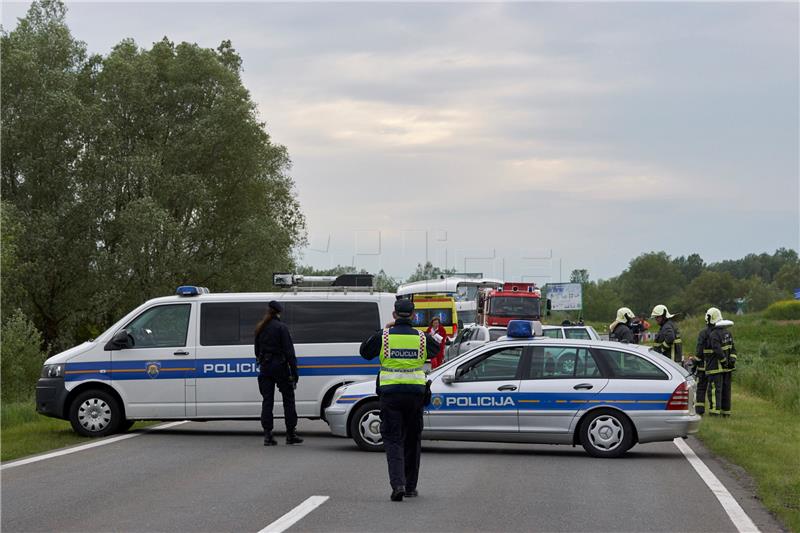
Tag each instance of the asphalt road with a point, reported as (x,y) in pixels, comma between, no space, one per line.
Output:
(217,476)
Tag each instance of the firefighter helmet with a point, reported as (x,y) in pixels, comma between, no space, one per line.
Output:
(624,314)
(661,310)
(713,315)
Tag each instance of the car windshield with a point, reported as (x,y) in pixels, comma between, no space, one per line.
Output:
(466,293)
(515,306)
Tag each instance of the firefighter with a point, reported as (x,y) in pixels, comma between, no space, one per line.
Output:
(702,354)
(620,330)
(402,391)
(721,363)
(668,338)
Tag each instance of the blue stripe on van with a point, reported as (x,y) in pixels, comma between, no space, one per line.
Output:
(213,368)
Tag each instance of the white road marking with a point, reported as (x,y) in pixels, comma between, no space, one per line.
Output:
(95,444)
(735,512)
(295,515)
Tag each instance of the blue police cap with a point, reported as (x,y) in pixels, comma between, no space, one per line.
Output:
(404,308)
(276,306)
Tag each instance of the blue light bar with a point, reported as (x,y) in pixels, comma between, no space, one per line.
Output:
(191,290)
(519,329)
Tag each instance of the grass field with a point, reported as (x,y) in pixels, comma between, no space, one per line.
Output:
(24,432)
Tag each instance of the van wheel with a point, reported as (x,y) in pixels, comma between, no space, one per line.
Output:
(606,433)
(95,413)
(365,427)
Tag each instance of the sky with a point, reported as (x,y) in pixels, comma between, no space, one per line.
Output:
(520,140)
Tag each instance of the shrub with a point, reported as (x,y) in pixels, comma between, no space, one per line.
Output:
(21,357)
(784,310)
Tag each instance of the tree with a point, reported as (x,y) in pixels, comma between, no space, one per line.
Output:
(428,271)
(788,277)
(134,173)
(579,276)
(601,301)
(691,266)
(650,279)
(711,289)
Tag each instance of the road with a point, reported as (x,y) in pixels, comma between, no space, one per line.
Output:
(216,476)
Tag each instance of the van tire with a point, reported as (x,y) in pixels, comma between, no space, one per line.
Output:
(95,413)
(365,426)
(606,433)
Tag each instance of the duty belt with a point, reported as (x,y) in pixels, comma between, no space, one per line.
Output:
(403,370)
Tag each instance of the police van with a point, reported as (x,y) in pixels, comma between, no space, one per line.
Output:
(190,356)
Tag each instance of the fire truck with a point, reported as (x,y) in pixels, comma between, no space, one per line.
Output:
(513,301)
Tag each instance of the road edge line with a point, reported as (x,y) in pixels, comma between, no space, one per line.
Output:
(82,447)
(295,515)
(735,512)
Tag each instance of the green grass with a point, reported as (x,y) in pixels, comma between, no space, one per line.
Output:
(24,432)
(764,441)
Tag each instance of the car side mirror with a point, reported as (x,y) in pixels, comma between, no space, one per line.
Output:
(120,341)
(448,379)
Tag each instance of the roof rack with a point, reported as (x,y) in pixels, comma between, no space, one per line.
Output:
(342,283)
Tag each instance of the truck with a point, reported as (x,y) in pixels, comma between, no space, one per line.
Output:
(515,300)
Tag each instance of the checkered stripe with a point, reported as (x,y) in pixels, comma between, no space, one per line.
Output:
(386,343)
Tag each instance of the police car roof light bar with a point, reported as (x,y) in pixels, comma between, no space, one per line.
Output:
(342,282)
(524,329)
(191,290)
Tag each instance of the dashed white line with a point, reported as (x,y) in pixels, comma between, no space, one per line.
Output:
(292,517)
(735,512)
(76,449)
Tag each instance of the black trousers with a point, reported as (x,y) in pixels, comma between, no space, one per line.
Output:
(266,384)
(719,393)
(702,391)
(401,429)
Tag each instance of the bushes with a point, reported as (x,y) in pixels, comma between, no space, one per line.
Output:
(784,310)
(21,357)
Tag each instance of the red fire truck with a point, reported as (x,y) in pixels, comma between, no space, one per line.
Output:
(514,301)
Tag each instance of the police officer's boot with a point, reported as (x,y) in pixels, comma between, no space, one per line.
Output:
(397,494)
(292,438)
(269,440)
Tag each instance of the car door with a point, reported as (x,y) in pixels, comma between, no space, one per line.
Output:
(151,375)
(559,381)
(481,396)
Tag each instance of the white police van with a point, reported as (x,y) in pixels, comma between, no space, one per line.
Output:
(190,356)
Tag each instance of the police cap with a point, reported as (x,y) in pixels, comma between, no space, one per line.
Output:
(276,306)
(404,308)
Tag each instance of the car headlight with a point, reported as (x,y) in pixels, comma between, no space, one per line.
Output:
(53,371)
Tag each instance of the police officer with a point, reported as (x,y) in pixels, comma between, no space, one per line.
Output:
(402,389)
(721,363)
(620,330)
(703,353)
(278,367)
(668,339)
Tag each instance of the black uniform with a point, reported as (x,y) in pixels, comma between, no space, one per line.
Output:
(401,413)
(719,367)
(703,353)
(668,341)
(278,366)
(622,333)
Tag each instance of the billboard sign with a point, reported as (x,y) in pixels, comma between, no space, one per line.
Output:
(565,296)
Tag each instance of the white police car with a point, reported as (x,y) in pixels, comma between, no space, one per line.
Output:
(528,388)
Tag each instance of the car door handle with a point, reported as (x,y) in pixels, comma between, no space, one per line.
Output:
(507,387)
(586,386)
(181,352)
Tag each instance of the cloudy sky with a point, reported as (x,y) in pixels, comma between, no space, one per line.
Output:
(518,140)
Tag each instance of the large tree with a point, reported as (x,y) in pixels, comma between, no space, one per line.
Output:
(133,173)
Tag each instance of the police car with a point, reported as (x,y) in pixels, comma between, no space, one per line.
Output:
(190,356)
(529,388)
(473,336)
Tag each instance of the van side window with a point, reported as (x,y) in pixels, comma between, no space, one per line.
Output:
(226,324)
(163,326)
(331,322)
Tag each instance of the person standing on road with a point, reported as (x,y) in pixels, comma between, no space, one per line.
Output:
(402,391)
(277,362)
(721,363)
(620,329)
(668,338)
(703,353)
(439,334)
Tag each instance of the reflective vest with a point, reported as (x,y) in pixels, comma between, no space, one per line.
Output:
(403,358)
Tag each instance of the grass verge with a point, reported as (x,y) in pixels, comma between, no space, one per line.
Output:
(23,432)
(763,440)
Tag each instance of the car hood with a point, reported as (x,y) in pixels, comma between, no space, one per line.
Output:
(66,355)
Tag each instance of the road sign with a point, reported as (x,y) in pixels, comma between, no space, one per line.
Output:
(565,296)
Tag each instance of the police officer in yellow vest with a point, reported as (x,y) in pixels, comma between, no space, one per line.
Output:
(401,387)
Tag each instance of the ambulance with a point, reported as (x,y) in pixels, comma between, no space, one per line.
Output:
(190,356)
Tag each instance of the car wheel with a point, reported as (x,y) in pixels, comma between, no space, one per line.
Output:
(606,433)
(365,427)
(95,413)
